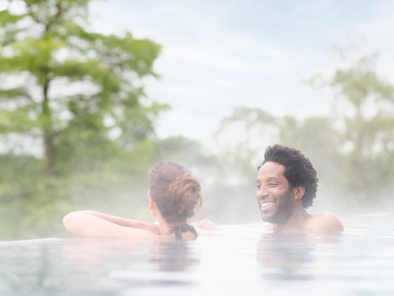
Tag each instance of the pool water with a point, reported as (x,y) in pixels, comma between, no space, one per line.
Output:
(244,260)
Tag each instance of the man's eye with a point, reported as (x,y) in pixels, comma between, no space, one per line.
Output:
(273,184)
(258,186)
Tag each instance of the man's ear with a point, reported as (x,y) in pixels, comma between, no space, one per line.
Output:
(299,192)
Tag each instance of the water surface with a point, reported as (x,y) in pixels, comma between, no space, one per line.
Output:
(244,260)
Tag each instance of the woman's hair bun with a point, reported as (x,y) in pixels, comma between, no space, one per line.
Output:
(186,192)
(175,191)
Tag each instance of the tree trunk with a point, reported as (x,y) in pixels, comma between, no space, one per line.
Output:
(49,134)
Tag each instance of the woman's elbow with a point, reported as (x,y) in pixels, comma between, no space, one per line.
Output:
(71,223)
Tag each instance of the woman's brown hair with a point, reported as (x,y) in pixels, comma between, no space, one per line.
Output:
(175,191)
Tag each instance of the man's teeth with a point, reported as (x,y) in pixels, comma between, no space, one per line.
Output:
(267,203)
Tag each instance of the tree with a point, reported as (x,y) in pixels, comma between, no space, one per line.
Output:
(48,50)
(241,139)
(255,129)
(368,134)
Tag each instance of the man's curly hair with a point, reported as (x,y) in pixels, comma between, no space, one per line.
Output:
(298,170)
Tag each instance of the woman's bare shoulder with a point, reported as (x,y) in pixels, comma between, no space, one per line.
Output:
(206,228)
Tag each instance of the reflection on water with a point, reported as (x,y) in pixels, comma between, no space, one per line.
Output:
(95,264)
(245,260)
(291,256)
(118,264)
(284,260)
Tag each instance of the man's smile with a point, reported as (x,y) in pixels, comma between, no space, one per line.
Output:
(266,205)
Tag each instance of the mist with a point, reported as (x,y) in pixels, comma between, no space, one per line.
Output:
(84,135)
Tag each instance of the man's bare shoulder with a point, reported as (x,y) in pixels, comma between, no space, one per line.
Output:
(324,221)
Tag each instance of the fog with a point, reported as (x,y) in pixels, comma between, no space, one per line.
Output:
(85,114)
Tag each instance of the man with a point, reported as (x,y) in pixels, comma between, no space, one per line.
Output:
(286,186)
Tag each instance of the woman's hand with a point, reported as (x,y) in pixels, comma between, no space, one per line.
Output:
(205,225)
(206,228)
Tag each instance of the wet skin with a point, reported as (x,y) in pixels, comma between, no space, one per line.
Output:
(276,198)
(281,204)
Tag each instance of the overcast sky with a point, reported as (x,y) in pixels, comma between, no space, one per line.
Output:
(221,54)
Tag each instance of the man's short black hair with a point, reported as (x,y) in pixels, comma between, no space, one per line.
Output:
(298,170)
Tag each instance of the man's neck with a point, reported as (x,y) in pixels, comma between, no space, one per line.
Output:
(297,219)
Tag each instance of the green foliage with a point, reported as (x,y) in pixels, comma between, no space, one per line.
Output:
(352,149)
(99,139)
(369,131)
(51,44)
(96,138)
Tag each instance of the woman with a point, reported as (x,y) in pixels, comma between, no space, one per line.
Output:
(173,197)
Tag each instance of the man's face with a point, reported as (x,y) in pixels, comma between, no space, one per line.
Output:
(274,195)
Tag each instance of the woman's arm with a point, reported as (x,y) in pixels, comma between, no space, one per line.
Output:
(125,222)
(95,224)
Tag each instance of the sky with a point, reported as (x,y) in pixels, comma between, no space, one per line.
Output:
(219,54)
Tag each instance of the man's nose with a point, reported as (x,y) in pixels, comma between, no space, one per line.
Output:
(262,191)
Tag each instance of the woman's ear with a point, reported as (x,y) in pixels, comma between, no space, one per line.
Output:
(299,192)
(152,206)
